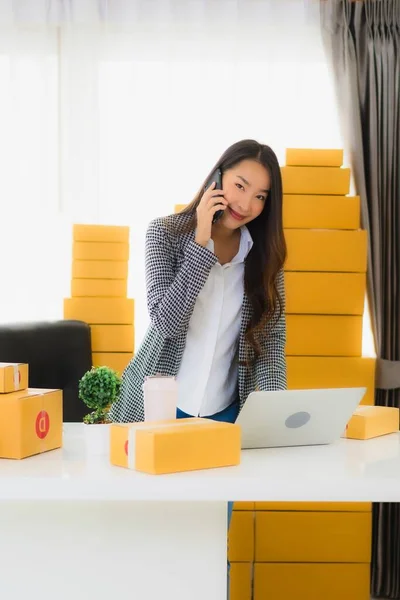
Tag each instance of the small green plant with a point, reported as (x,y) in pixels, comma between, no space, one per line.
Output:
(99,388)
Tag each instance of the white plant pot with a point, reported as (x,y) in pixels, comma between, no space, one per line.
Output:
(97,439)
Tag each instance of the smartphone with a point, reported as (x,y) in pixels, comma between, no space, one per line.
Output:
(217,177)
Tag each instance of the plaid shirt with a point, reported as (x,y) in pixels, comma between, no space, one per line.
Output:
(176,270)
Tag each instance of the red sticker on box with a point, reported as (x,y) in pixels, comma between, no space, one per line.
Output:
(42,424)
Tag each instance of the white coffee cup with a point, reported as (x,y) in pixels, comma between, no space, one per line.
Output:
(160,394)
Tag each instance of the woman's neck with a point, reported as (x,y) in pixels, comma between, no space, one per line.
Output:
(226,243)
(219,232)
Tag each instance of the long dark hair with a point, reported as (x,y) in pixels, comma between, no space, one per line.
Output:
(268,254)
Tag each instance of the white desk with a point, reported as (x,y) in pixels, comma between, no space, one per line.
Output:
(78,528)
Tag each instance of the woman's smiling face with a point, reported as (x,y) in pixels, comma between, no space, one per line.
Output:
(246,187)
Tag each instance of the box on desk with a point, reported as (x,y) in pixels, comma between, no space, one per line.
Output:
(13,377)
(31,422)
(175,446)
(372,421)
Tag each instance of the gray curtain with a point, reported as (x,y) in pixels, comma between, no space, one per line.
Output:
(363,42)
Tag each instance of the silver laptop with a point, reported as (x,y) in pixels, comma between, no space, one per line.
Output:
(297,417)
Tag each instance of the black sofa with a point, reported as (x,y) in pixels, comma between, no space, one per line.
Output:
(58,354)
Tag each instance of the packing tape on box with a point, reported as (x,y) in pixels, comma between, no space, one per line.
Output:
(146,426)
(16,377)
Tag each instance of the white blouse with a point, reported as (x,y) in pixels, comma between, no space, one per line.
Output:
(207,378)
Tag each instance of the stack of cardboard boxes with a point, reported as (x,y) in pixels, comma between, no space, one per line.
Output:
(314,550)
(311,551)
(99,292)
(325,274)
(300,550)
(304,550)
(31,419)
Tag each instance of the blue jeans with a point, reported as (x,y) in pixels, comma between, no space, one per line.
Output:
(228,415)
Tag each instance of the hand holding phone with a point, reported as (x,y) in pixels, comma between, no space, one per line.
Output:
(210,204)
(217,178)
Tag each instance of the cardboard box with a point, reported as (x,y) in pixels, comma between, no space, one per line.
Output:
(112,338)
(313,157)
(98,288)
(319,335)
(315,506)
(241,537)
(118,311)
(100,251)
(326,250)
(325,293)
(319,372)
(13,377)
(331,181)
(100,269)
(313,537)
(321,212)
(31,422)
(243,505)
(101,233)
(279,581)
(115,360)
(175,446)
(372,421)
(241,581)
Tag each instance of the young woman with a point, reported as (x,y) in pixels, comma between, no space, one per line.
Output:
(215,293)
